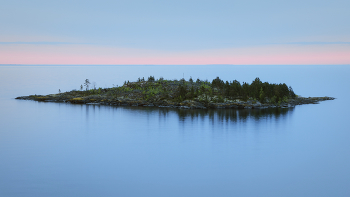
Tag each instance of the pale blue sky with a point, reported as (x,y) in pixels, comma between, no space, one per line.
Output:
(175,25)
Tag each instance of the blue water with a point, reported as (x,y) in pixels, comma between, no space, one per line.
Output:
(58,149)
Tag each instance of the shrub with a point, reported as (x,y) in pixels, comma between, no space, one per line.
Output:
(273,100)
(220,99)
(285,99)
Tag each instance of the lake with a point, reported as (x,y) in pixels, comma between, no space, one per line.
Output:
(59,149)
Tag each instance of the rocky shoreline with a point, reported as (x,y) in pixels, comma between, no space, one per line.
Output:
(184,94)
(186,104)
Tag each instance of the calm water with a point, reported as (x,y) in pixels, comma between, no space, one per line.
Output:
(56,149)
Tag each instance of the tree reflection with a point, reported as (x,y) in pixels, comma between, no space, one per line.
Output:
(223,115)
(234,115)
(213,115)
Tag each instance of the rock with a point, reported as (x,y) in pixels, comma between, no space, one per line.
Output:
(184,107)
(79,98)
(257,104)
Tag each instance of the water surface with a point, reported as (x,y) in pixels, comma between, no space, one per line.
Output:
(58,149)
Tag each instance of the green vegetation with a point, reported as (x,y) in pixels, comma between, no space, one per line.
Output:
(217,91)
(264,92)
(184,94)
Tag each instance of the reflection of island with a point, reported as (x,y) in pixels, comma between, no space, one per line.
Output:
(227,115)
(185,94)
(223,115)
(231,115)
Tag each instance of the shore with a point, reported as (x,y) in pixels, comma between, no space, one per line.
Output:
(186,104)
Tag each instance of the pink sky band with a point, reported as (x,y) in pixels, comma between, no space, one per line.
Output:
(101,55)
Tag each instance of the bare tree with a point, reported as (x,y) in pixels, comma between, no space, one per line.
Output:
(87,83)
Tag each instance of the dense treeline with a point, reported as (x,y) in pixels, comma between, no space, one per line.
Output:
(202,91)
(257,90)
(264,92)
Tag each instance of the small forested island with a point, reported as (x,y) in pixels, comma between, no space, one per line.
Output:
(184,94)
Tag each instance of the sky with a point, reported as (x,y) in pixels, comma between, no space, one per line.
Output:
(175,32)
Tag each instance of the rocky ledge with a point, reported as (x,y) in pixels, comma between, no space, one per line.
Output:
(186,104)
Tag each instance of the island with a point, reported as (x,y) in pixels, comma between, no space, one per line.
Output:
(184,94)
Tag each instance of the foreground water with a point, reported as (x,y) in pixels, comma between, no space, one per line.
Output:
(56,149)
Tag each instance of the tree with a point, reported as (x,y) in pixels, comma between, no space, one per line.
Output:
(217,83)
(190,80)
(255,88)
(191,94)
(182,91)
(236,88)
(291,92)
(245,90)
(151,78)
(87,83)
(227,89)
(262,95)
(81,87)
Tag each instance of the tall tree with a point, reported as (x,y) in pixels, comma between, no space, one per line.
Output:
(87,83)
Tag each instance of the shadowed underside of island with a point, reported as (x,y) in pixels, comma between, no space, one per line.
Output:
(184,94)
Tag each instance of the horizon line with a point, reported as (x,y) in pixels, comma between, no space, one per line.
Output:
(175,64)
